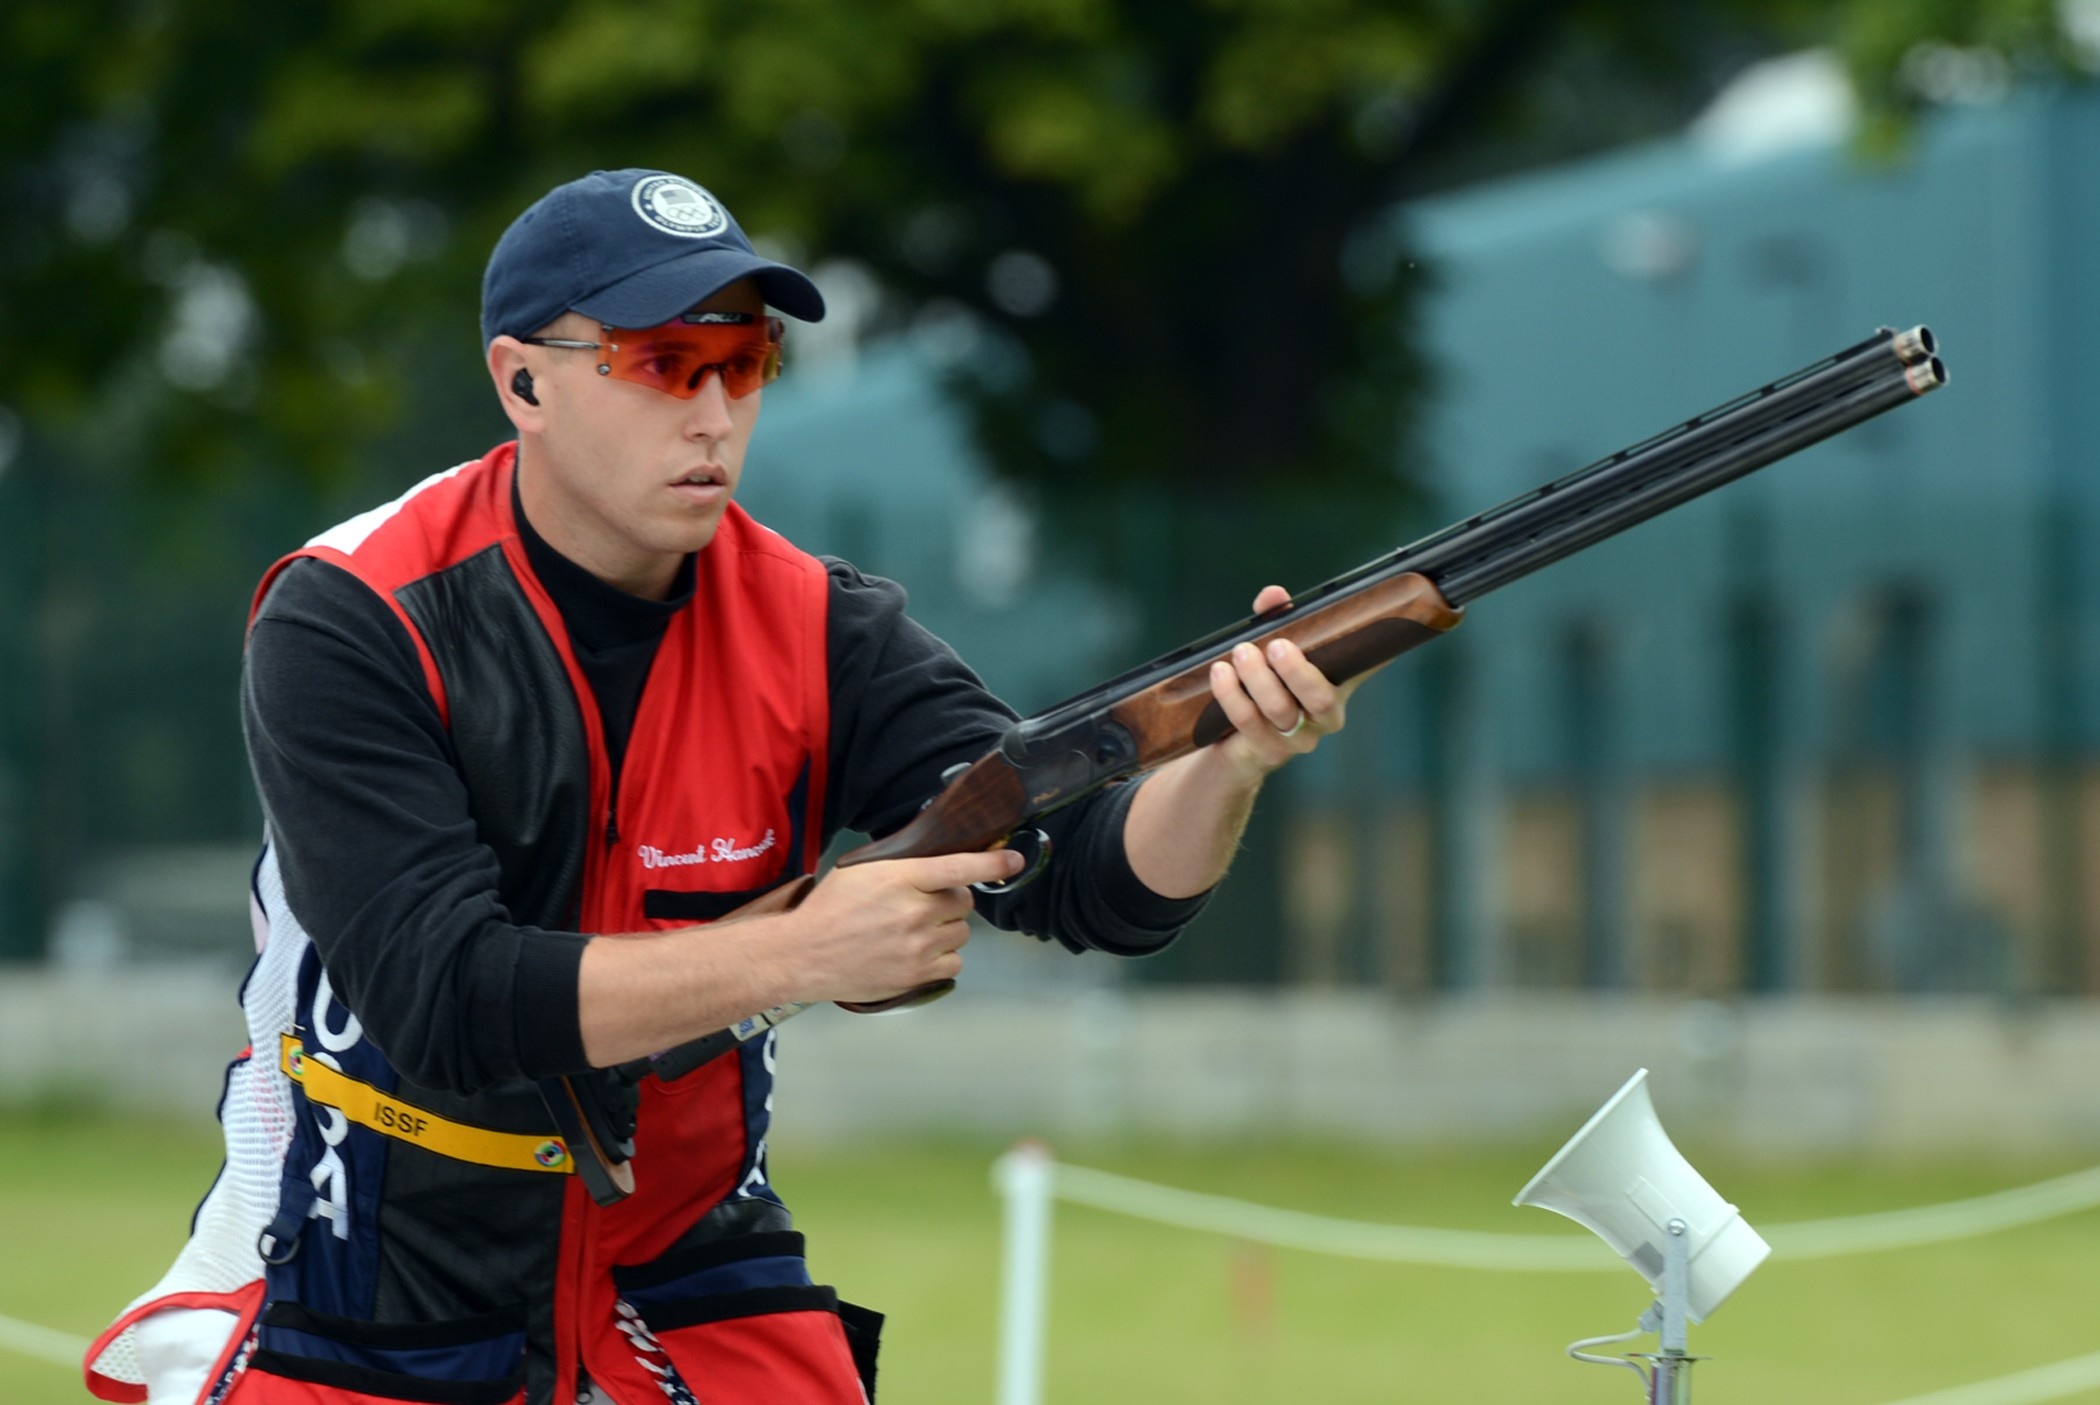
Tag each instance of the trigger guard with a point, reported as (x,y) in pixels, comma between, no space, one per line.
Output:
(1021,841)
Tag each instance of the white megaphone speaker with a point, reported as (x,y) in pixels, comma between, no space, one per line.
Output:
(1622,1178)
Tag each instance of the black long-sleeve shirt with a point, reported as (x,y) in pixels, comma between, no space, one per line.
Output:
(374,835)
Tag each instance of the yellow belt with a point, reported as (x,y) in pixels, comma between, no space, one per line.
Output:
(404,1121)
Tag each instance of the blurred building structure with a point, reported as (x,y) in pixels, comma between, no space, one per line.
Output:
(1834,729)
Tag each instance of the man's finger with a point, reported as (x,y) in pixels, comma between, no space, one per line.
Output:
(940,871)
(1310,686)
(1270,693)
(1230,690)
(951,904)
(1271,597)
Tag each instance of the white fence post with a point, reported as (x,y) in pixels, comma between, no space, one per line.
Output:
(1023,1178)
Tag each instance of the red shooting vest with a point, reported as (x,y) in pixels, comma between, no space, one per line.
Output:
(694,1286)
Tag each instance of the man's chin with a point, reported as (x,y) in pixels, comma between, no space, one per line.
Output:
(692,532)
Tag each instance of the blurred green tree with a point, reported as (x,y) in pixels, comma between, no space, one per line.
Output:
(234,219)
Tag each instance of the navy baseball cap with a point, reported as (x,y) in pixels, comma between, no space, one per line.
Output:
(630,248)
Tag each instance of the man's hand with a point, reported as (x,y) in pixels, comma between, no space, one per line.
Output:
(878,929)
(1185,821)
(865,933)
(1280,704)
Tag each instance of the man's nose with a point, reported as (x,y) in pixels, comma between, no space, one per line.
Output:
(708,415)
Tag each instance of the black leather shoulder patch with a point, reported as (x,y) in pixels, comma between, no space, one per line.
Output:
(516,727)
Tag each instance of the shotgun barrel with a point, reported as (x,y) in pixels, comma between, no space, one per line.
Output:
(1492,548)
(1531,540)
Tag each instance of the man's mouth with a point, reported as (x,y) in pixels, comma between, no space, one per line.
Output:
(704,477)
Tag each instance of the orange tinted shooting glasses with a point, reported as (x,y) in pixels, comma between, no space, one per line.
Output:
(675,357)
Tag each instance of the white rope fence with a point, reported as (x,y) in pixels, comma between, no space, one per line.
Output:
(2051,1382)
(1938,1224)
(1557,1253)
(1029,1179)
(42,1343)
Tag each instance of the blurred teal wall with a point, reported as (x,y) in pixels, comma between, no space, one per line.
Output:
(1912,605)
(1549,354)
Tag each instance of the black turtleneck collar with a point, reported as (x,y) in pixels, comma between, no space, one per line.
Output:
(614,634)
(599,616)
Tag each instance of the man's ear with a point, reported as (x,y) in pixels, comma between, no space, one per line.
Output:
(515,388)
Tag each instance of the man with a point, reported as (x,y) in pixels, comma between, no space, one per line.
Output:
(571,689)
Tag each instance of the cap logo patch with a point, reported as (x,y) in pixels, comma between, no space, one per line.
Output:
(679,207)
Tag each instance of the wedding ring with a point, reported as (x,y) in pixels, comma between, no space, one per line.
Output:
(1296,727)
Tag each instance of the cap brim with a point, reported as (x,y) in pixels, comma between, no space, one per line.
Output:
(659,293)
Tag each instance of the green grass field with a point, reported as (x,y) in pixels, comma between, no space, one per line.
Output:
(92,1209)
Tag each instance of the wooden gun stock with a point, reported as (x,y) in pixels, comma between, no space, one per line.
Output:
(1167,719)
(1344,640)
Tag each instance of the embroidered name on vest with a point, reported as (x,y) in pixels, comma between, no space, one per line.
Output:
(719,851)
